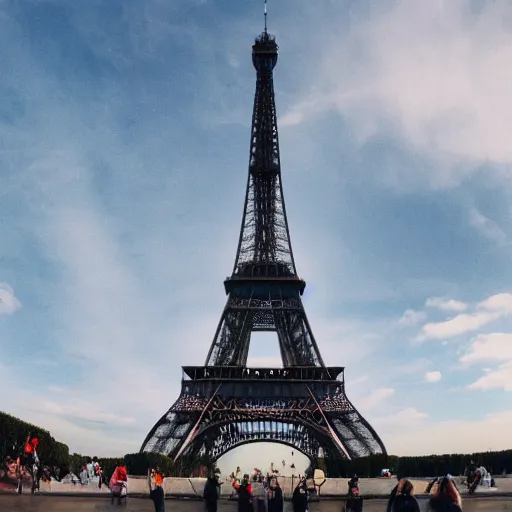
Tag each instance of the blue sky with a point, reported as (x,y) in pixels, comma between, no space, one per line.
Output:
(124,136)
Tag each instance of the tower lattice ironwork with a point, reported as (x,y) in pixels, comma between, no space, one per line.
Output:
(224,404)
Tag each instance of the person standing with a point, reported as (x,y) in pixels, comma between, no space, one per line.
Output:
(354,502)
(156,489)
(300,496)
(404,500)
(29,457)
(100,476)
(244,490)
(276,498)
(211,493)
(353,483)
(260,496)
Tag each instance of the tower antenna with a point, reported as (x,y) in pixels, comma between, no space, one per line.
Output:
(265,14)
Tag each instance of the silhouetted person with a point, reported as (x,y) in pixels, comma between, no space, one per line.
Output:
(404,501)
(353,483)
(211,493)
(276,498)
(300,497)
(354,502)
(392,495)
(244,490)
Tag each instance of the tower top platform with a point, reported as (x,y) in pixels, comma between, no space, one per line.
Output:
(304,373)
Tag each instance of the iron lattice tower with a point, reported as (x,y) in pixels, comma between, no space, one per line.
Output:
(224,404)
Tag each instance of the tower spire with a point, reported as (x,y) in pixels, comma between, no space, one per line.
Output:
(265,14)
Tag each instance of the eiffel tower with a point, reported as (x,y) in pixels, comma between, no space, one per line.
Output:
(225,404)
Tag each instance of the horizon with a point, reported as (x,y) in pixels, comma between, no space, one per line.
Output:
(126,134)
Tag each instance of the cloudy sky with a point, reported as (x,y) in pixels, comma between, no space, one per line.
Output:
(124,136)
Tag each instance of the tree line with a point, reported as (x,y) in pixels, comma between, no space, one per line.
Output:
(499,462)
(13,433)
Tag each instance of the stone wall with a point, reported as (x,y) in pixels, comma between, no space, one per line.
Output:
(195,486)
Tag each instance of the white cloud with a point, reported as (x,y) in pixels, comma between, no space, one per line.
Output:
(501,302)
(489,347)
(433,376)
(434,72)
(375,399)
(406,416)
(487,227)
(500,378)
(291,119)
(495,347)
(82,411)
(446,304)
(458,325)
(489,310)
(359,380)
(411,317)
(451,436)
(8,301)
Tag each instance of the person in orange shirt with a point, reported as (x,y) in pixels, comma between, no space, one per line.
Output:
(157,494)
(159,479)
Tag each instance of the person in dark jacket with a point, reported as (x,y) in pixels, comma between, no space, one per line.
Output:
(276,498)
(392,495)
(244,491)
(211,493)
(300,497)
(446,497)
(354,502)
(403,500)
(353,483)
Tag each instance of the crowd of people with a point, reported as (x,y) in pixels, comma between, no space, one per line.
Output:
(263,494)
(26,469)
(25,466)
(266,495)
(445,498)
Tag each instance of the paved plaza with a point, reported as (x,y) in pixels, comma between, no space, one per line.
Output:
(70,504)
